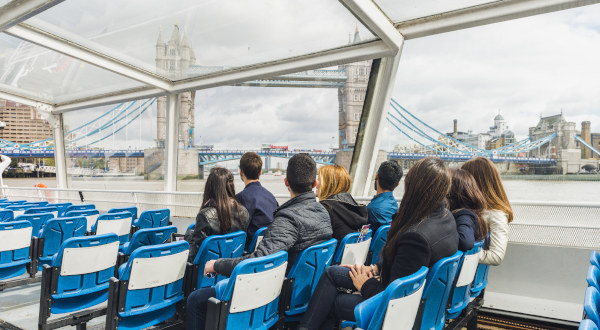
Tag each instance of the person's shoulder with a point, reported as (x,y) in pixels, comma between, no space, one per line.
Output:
(464,213)
(207,213)
(495,215)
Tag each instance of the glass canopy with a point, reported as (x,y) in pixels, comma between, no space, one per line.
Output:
(404,10)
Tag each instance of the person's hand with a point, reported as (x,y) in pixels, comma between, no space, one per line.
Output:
(359,275)
(209,267)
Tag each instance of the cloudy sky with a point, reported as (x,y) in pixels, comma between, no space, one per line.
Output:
(522,68)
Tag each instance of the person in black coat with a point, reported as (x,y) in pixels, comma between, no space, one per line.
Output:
(422,232)
(467,204)
(346,215)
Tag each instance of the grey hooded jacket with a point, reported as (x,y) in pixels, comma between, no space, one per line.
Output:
(299,223)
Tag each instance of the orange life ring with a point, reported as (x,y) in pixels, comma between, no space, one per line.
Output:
(47,194)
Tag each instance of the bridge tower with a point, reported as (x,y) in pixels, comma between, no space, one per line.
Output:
(562,147)
(586,135)
(173,59)
(351,98)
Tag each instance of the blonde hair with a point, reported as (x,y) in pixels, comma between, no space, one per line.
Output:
(333,179)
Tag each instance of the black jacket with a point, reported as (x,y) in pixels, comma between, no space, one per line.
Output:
(207,224)
(423,244)
(467,228)
(346,215)
(298,223)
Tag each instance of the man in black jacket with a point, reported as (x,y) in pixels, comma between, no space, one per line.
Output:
(299,223)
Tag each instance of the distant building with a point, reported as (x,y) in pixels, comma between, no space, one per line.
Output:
(591,138)
(23,124)
(126,164)
(496,137)
(564,140)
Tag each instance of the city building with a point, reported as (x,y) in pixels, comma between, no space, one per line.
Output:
(126,164)
(23,124)
(592,139)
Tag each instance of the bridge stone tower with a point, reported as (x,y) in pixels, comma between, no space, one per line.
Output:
(562,147)
(173,59)
(351,98)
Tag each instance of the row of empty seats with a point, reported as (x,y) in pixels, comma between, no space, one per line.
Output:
(591,301)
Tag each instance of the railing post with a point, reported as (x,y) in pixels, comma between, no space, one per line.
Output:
(172,143)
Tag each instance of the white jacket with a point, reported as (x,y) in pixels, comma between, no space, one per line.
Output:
(498,225)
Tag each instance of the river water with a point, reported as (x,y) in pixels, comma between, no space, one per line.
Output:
(529,190)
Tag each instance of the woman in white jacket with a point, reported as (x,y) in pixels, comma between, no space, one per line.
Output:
(498,213)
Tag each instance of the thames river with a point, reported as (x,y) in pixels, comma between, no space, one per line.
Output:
(529,190)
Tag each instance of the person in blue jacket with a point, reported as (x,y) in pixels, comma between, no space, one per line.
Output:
(383,206)
(467,203)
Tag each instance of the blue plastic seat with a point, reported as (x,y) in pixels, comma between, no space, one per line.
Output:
(258,236)
(249,298)
(350,252)
(90,214)
(150,285)
(62,208)
(591,304)
(593,277)
(378,242)
(118,223)
(215,247)
(77,278)
(43,209)
(147,237)
(595,258)
(6,215)
(80,207)
(15,240)
(587,324)
(37,220)
(37,204)
(437,290)
(461,291)
(131,209)
(55,232)
(305,273)
(480,281)
(394,308)
(153,219)
(19,209)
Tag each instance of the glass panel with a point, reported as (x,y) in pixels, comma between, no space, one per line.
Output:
(404,10)
(188,38)
(43,74)
(276,120)
(112,147)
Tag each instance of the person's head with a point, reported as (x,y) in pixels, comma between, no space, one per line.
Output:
(333,179)
(426,186)
(465,194)
(251,166)
(220,191)
(301,173)
(388,175)
(488,179)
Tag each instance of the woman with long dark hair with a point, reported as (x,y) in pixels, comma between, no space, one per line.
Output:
(498,213)
(220,212)
(467,204)
(422,232)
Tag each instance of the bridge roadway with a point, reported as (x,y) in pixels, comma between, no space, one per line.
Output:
(206,157)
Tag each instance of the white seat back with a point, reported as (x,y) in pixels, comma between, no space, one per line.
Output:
(255,290)
(85,260)
(401,312)
(356,253)
(258,239)
(91,220)
(153,272)
(120,227)
(15,239)
(17,213)
(468,270)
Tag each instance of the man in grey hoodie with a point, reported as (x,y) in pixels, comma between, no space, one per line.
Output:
(299,223)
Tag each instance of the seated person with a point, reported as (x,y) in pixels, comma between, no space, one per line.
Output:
(423,232)
(346,215)
(467,205)
(259,202)
(220,212)
(298,223)
(384,205)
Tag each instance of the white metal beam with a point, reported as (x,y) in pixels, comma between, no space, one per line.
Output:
(16,11)
(58,44)
(22,99)
(493,12)
(112,98)
(60,155)
(371,16)
(172,142)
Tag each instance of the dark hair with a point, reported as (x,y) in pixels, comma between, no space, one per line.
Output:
(251,165)
(219,192)
(301,173)
(465,194)
(490,183)
(389,175)
(425,187)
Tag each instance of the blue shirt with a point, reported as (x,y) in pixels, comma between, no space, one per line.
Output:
(381,209)
(260,204)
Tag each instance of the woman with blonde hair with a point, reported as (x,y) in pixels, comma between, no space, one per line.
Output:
(498,213)
(346,215)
